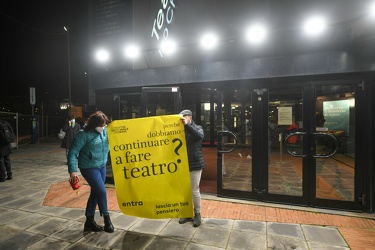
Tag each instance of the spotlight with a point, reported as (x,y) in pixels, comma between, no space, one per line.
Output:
(256,34)
(132,51)
(102,55)
(209,41)
(314,26)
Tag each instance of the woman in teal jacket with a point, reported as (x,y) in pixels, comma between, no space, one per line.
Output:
(90,146)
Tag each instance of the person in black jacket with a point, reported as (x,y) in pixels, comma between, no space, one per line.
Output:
(71,128)
(5,165)
(194,136)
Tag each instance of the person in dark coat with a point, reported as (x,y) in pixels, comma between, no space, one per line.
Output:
(194,136)
(5,165)
(71,128)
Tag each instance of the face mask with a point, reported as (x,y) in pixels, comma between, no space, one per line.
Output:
(73,121)
(99,129)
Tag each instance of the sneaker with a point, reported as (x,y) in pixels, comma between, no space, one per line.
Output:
(2,180)
(9,177)
(197,220)
(184,220)
(248,156)
(240,155)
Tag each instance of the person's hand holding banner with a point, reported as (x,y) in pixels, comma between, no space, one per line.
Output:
(150,167)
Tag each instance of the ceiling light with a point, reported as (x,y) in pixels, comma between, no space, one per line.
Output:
(132,51)
(102,55)
(209,41)
(314,26)
(256,34)
(168,46)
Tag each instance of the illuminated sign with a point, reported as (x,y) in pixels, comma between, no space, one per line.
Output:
(163,20)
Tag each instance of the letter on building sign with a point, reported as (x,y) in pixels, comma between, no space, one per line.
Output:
(159,20)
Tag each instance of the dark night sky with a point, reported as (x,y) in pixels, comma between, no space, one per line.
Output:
(35,48)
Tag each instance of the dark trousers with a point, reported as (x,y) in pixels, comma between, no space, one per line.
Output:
(5,167)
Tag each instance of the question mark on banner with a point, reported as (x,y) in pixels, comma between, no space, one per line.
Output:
(178,147)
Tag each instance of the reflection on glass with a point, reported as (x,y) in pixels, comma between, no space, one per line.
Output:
(160,103)
(335,115)
(130,106)
(237,165)
(285,117)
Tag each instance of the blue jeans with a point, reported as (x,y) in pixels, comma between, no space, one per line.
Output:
(95,177)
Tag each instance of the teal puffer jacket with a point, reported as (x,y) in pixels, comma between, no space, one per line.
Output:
(91,149)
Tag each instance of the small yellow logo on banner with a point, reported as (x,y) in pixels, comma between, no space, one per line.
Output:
(150,167)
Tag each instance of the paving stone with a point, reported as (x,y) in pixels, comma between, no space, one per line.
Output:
(178,231)
(132,240)
(218,223)
(285,229)
(49,243)
(71,233)
(27,221)
(211,236)
(7,232)
(196,246)
(73,214)
(20,240)
(323,235)
(11,215)
(166,244)
(149,226)
(49,226)
(251,226)
(101,239)
(33,207)
(20,202)
(80,246)
(54,211)
(279,242)
(247,240)
(122,221)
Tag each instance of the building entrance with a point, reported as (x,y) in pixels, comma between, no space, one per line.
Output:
(295,144)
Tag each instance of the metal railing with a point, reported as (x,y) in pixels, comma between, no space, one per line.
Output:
(23,126)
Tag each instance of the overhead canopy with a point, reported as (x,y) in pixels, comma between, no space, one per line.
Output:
(147,23)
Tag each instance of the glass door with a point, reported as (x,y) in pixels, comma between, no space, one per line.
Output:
(235,143)
(285,116)
(312,137)
(337,175)
(300,147)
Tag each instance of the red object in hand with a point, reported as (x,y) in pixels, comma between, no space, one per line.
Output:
(74,184)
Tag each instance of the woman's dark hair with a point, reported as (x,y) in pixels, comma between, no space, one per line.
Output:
(98,119)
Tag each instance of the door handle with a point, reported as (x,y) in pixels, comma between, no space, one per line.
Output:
(333,150)
(292,153)
(220,134)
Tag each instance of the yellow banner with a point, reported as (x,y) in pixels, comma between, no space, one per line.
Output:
(150,167)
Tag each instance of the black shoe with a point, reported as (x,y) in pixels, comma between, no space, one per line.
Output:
(108,227)
(2,180)
(184,220)
(9,177)
(90,224)
(197,220)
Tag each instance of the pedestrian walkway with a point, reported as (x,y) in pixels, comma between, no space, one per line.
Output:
(38,210)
